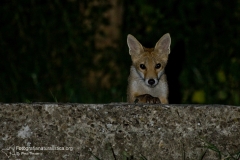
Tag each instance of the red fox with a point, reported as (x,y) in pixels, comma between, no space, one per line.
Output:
(147,82)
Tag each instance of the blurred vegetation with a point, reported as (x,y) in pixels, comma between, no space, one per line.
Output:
(48,50)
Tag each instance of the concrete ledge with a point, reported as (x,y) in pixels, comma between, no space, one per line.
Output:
(118,131)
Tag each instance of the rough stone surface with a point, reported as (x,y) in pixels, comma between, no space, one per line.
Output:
(118,131)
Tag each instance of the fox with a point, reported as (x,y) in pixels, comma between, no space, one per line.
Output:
(147,82)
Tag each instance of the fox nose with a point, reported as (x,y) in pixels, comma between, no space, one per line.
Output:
(151,81)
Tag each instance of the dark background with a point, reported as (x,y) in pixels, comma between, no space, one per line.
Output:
(76,51)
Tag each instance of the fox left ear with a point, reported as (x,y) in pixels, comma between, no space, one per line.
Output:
(163,45)
(134,45)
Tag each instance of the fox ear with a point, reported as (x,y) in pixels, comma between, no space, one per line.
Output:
(134,46)
(163,45)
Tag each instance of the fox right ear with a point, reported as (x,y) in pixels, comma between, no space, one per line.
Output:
(163,45)
(134,46)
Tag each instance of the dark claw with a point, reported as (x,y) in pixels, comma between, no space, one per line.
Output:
(136,100)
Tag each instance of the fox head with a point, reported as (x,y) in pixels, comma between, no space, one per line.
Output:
(149,62)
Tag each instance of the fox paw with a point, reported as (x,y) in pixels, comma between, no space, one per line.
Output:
(146,98)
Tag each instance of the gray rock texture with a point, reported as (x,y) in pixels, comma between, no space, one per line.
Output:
(119,131)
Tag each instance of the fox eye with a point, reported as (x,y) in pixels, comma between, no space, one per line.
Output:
(142,66)
(158,66)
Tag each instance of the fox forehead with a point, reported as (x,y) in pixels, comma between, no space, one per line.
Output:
(150,57)
(148,49)
(149,53)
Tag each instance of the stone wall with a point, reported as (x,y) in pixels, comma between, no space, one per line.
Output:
(119,131)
